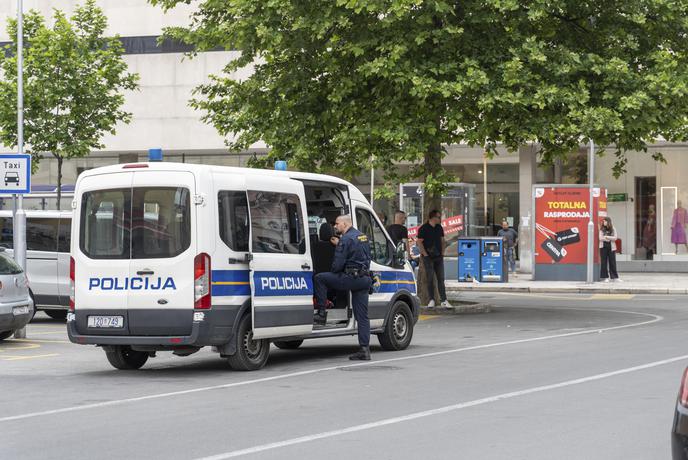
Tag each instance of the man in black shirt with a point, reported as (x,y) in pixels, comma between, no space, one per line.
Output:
(431,244)
(398,231)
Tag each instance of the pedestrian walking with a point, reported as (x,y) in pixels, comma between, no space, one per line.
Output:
(431,243)
(350,272)
(510,238)
(608,238)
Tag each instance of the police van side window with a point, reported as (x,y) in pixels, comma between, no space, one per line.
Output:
(276,223)
(233,217)
(104,225)
(41,234)
(380,249)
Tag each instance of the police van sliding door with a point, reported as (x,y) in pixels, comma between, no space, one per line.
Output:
(281,273)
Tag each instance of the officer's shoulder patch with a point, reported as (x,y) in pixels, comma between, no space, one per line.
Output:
(362,238)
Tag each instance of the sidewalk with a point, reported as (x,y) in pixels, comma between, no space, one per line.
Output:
(633,283)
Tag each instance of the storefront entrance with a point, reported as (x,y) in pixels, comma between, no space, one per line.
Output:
(645,218)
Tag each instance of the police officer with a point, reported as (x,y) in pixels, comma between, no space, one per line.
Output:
(350,272)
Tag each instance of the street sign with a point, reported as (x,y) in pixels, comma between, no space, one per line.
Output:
(617,197)
(15,174)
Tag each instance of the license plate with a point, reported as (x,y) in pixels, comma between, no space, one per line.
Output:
(106,321)
(24,309)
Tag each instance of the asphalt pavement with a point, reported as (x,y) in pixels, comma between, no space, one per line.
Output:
(540,377)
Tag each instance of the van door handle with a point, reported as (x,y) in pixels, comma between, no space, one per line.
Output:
(306,267)
(145,272)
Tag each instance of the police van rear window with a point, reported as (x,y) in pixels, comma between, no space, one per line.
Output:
(138,223)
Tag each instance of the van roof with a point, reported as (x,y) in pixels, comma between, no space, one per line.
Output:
(170,166)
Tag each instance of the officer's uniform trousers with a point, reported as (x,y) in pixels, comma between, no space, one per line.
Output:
(359,287)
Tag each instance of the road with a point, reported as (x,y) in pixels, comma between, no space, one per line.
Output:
(541,377)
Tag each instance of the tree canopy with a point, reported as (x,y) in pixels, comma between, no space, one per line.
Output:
(338,85)
(74,79)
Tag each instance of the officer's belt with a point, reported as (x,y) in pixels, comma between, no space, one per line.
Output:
(357,271)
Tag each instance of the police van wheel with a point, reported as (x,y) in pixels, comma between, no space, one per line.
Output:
(5,334)
(288,344)
(124,358)
(251,354)
(399,329)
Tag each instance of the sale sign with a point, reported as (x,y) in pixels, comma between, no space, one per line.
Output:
(450,225)
(561,224)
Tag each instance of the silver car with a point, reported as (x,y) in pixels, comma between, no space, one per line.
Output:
(16,306)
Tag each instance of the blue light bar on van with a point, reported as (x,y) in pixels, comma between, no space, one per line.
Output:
(135,166)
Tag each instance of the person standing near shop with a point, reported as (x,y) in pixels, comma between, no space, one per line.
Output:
(350,272)
(510,238)
(430,241)
(608,250)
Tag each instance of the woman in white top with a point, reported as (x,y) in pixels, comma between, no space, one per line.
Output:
(608,250)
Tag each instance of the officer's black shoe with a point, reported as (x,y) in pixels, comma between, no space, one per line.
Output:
(361,355)
(320,318)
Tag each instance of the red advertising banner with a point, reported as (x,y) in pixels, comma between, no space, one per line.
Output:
(561,224)
(450,225)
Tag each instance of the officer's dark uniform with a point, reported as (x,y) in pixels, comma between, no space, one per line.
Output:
(350,272)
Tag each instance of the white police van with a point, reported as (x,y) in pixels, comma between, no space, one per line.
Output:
(176,257)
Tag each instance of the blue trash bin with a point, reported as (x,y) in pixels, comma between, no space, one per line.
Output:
(469,259)
(493,263)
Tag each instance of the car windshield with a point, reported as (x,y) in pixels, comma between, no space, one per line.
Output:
(9,266)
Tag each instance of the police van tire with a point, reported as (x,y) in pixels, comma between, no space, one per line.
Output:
(122,357)
(399,328)
(59,315)
(5,334)
(250,355)
(288,344)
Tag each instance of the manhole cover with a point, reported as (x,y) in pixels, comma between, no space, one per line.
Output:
(369,368)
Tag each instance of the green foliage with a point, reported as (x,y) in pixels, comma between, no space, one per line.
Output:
(340,84)
(73,83)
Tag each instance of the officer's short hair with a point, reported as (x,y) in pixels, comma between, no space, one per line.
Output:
(434,213)
(345,218)
(399,212)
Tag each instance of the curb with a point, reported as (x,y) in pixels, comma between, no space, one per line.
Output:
(461,309)
(567,290)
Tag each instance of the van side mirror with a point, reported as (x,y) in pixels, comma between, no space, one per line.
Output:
(400,255)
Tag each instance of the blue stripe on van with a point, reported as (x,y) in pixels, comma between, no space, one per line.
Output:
(392,281)
(230,283)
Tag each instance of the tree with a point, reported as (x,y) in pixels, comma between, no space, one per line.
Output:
(351,84)
(73,83)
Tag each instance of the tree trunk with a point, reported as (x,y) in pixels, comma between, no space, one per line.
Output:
(432,165)
(59,180)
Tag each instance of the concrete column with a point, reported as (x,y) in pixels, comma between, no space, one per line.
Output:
(527,160)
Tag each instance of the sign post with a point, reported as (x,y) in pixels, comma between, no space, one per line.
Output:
(14,175)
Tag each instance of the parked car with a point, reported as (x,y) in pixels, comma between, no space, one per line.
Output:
(679,430)
(16,306)
(47,257)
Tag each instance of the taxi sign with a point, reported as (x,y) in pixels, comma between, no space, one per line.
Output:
(15,174)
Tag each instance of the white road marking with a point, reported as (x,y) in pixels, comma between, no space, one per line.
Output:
(655,318)
(438,411)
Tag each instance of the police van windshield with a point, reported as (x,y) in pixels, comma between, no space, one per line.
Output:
(138,223)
